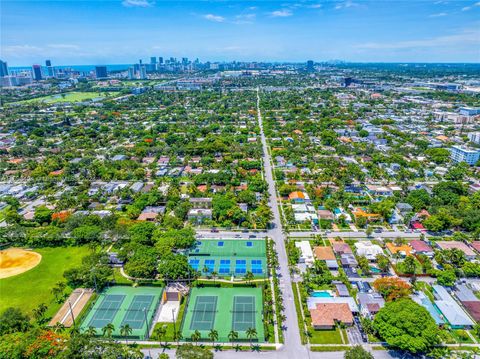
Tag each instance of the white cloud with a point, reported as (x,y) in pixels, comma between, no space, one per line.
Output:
(245,18)
(440,14)
(467,8)
(315,6)
(63,46)
(137,3)
(214,18)
(346,5)
(467,37)
(281,13)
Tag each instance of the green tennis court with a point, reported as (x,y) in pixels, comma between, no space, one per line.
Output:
(106,311)
(204,313)
(243,313)
(224,309)
(120,306)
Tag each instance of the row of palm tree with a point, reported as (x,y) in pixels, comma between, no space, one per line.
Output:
(232,336)
(249,276)
(161,331)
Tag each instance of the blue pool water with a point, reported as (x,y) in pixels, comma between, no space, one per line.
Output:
(375,270)
(321,294)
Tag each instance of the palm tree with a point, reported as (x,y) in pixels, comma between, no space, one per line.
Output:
(91,331)
(108,330)
(196,336)
(205,270)
(233,335)
(159,333)
(214,275)
(249,277)
(213,335)
(56,292)
(177,336)
(251,333)
(39,312)
(58,327)
(125,331)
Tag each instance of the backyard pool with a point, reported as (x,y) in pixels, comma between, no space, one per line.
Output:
(375,270)
(321,294)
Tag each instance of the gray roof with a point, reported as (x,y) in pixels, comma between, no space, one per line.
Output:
(465,294)
(450,309)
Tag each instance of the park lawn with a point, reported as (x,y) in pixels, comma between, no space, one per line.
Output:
(326,337)
(71,97)
(27,290)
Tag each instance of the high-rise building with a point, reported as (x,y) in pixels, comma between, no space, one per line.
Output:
(160,60)
(310,67)
(153,60)
(37,72)
(101,72)
(464,154)
(131,73)
(50,71)
(3,68)
(143,72)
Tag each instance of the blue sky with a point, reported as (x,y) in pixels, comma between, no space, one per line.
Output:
(110,31)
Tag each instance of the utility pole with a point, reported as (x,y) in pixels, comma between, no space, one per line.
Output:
(173,318)
(146,322)
(71,313)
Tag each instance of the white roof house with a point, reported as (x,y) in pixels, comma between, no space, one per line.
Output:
(450,309)
(306,252)
(368,249)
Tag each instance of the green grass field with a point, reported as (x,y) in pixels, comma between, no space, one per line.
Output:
(27,290)
(71,97)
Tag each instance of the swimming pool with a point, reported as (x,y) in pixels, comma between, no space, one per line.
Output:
(375,270)
(321,294)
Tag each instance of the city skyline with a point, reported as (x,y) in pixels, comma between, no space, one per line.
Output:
(116,32)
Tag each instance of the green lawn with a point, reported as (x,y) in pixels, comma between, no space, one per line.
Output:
(27,290)
(326,337)
(71,97)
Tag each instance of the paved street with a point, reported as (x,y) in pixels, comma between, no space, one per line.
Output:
(293,347)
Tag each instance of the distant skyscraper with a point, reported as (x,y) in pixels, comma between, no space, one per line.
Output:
(310,67)
(37,72)
(143,72)
(101,72)
(131,73)
(3,69)
(160,60)
(140,61)
(50,72)
(153,60)
(347,81)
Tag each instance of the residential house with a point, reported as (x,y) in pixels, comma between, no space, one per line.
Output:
(199,215)
(368,249)
(404,250)
(421,247)
(306,254)
(341,248)
(327,315)
(425,302)
(203,202)
(370,303)
(469,253)
(326,254)
(450,309)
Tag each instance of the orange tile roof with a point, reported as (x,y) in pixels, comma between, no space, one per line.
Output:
(324,253)
(403,248)
(326,314)
(296,194)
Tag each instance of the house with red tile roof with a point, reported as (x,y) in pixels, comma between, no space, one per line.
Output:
(327,315)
